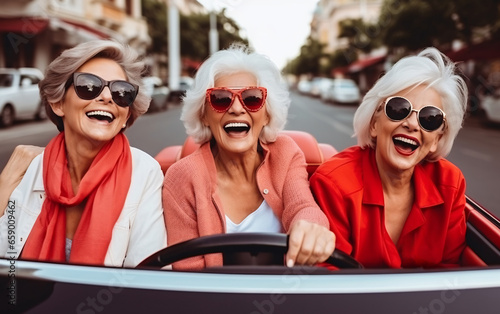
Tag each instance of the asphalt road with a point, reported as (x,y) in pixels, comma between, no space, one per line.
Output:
(476,150)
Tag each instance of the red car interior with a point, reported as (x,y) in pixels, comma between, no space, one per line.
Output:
(483,229)
(314,152)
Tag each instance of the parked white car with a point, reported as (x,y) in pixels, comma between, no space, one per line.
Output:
(491,106)
(304,87)
(158,92)
(342,91)
(319,85)
(19,95)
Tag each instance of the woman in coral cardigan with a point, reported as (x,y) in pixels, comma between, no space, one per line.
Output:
(89,198)
(394,201)
(245,177)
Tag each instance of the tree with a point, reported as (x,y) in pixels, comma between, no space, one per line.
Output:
(194,34)
(412,25)
(310,59)
(473,18)
(360,35)
(156,17)
(193,31)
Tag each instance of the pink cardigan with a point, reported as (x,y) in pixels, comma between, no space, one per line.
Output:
(193,208)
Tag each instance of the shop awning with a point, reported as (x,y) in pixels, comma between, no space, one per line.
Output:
(359,65)
(88,29)
(23,25)
(483,51)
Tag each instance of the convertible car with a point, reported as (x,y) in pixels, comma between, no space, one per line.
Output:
(253,279)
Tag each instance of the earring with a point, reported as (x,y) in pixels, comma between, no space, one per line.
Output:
(124,126)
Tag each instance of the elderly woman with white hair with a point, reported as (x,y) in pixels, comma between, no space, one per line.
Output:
(89,198)
(393,200)
(245,177)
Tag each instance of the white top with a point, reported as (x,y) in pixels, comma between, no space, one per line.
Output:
(138,232)
(261,220)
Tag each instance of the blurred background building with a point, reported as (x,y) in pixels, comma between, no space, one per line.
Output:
(34,32)
(325,23)
(326,28)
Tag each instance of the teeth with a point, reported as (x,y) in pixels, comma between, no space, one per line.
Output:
(236,125)
(100,113)
(406,140)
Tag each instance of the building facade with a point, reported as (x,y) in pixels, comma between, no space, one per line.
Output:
(325,24)
(325,29)
(34,32)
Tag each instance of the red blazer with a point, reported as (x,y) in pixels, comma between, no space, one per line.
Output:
(349,190)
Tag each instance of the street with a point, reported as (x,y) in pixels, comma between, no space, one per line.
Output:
(476,151)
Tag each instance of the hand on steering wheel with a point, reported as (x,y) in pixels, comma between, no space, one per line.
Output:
(255,243)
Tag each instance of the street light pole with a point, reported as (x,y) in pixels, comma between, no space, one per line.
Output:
(174,50)
(213,34)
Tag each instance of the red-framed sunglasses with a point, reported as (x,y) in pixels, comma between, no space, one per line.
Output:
(222,98)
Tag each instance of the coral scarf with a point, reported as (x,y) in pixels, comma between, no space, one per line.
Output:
(104,188)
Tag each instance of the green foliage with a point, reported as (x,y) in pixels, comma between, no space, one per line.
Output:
(155,13)
(416,24)
(193,31)
(342,57)
(472,15)
(360,35)
(309,60)
(405,26)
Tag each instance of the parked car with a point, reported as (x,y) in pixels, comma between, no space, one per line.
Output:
(158,92)
(304,87)
(185,83)
(491,106)
(343,91)
(19,95)
(244,287)
(319,85)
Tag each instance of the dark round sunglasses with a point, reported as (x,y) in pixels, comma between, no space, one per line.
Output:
(89,86)
(222,98)
(430,118)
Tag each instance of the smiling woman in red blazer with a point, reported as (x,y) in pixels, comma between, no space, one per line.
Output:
(393,200)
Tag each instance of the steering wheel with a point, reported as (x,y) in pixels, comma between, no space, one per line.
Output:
(239,249)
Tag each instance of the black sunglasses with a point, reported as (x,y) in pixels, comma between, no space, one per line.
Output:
(398,108)
(89,86)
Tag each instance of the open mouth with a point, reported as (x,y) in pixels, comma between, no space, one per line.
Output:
(236,127)
(100,115)
(405,144)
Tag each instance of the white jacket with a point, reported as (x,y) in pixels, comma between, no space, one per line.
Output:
(138,232)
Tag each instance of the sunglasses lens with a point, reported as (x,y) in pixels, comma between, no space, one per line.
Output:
(123,93)
(87,86)
(397,108)
(220,99)
(430,118)
(253,99)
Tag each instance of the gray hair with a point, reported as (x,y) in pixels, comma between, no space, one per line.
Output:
(53,86)
(431,68)
(236,59)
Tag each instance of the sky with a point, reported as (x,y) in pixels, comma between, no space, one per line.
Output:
(276,28)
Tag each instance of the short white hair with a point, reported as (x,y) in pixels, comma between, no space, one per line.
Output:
(430,68)
(236,59)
